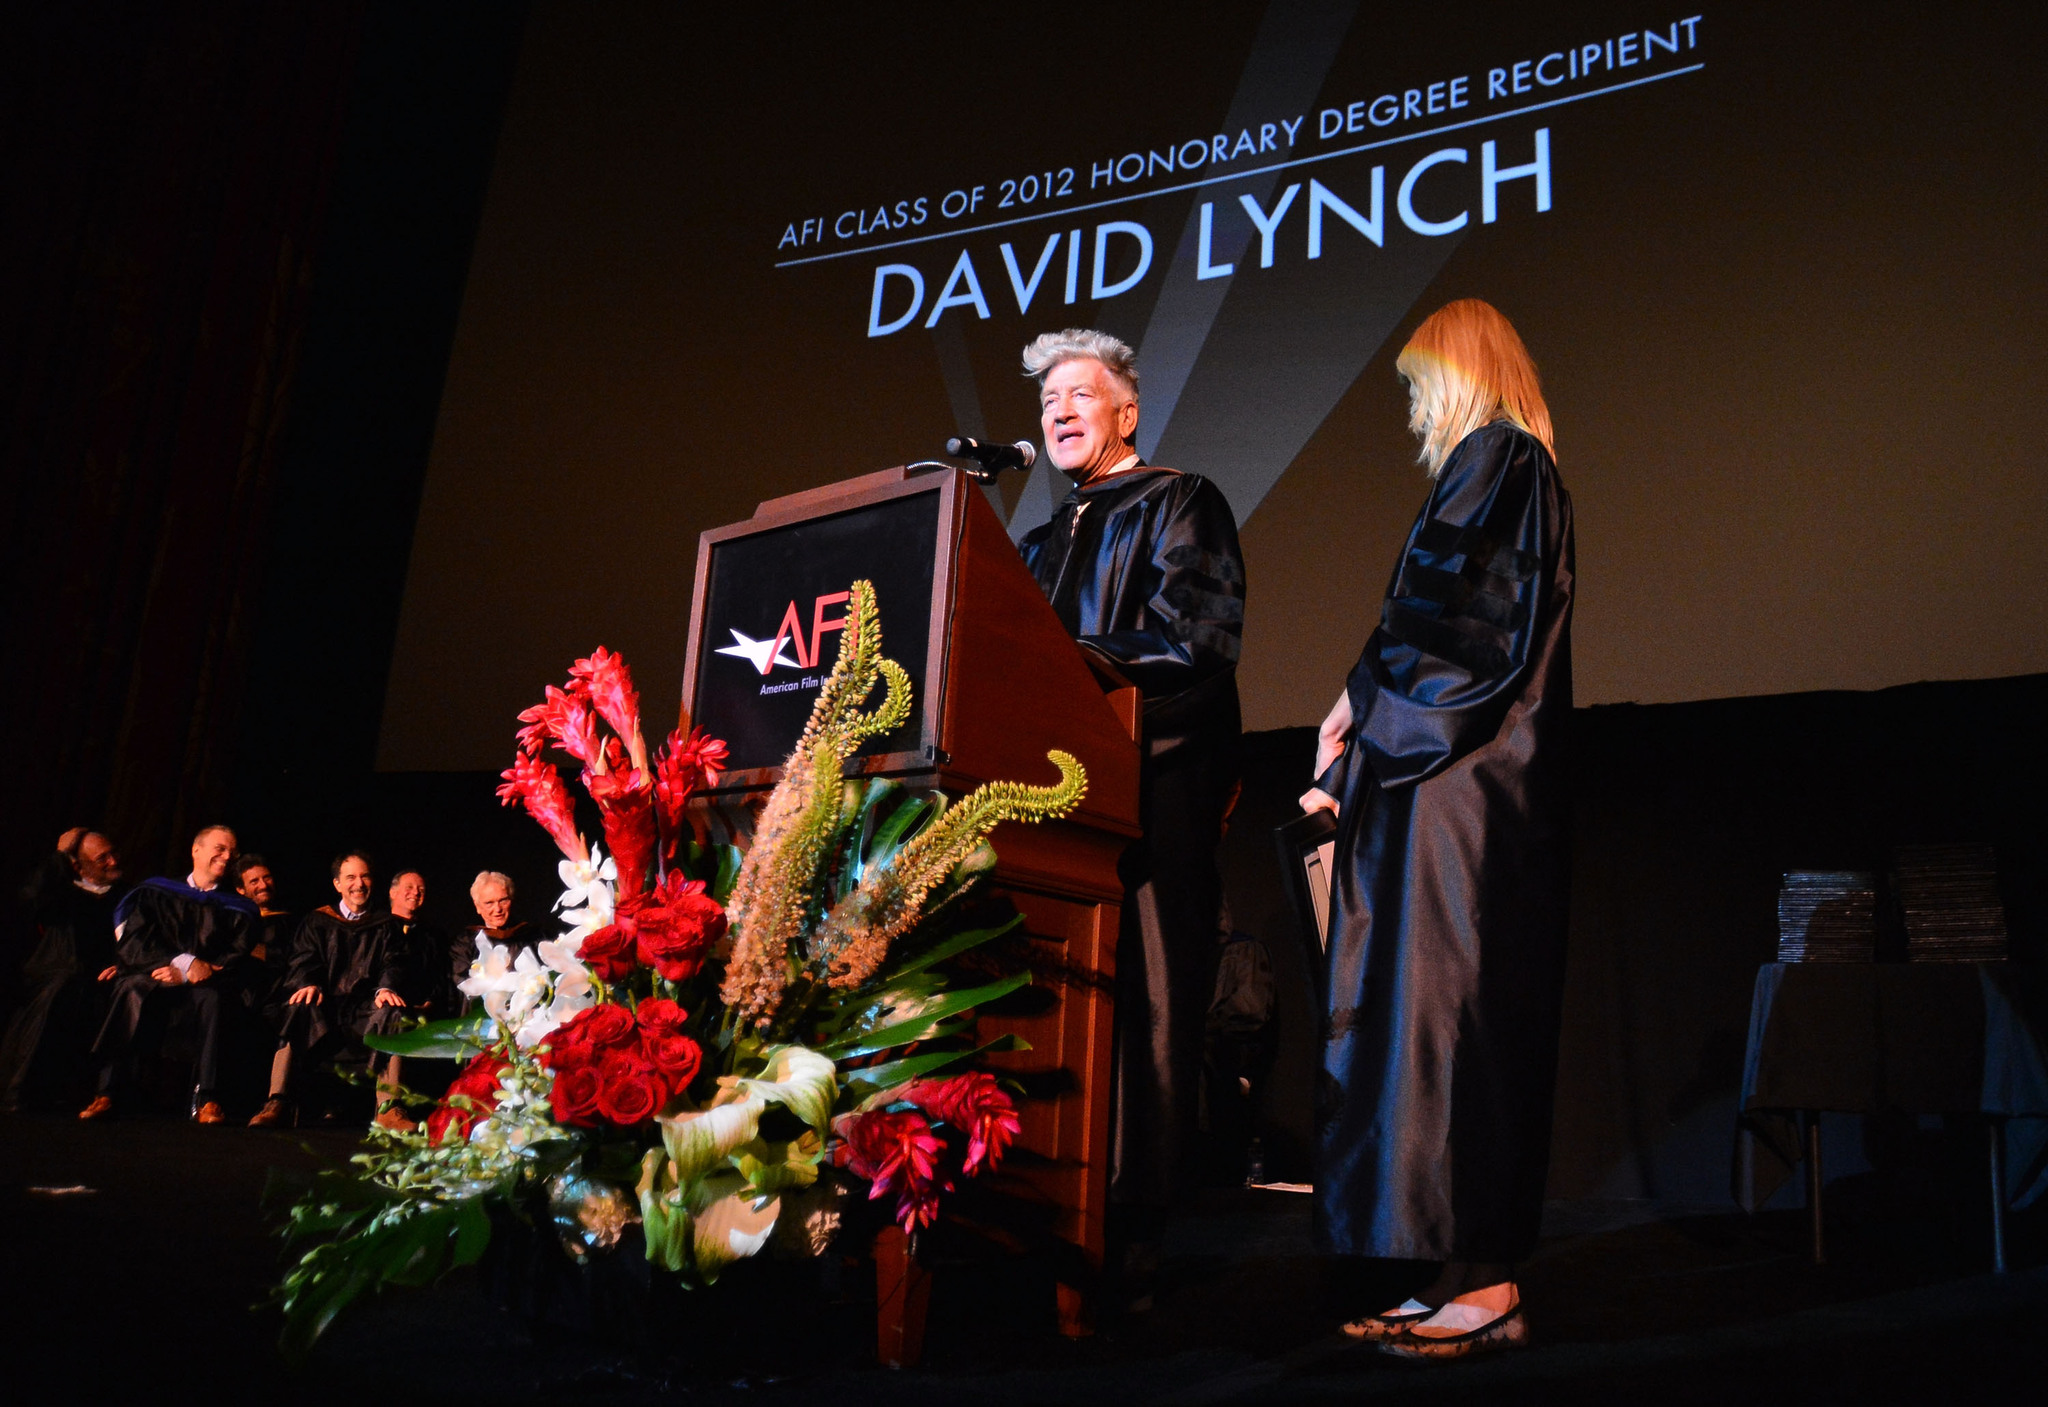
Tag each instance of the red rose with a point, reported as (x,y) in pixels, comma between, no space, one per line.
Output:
(677,923)
(609,953)
(630,1091)
(658,1016)
(602,1027)
(678,1058)
(576,1094)
(478,1083)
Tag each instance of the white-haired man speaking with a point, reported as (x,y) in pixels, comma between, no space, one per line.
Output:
(1142,566)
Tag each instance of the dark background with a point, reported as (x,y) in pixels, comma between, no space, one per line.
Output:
(1789,313)
(238,240)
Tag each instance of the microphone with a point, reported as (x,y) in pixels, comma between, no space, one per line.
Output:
(992,458)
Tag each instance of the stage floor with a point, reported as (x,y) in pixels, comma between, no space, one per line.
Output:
(147,1283)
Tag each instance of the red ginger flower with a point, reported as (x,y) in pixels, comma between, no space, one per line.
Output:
(478,1084)
(897,1152)
(683,765)
(538,787)
(976,1105)
(604,679)
(675,925)
(625,803)
(567,720)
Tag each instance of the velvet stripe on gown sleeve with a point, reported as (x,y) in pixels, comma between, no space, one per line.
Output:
(1447,660)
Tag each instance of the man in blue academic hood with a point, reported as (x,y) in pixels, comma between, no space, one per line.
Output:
(173,939)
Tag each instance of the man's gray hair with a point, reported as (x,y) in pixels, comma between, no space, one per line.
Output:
(1049,349)
(484,880)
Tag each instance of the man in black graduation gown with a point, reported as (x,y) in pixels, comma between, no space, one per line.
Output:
(491,893)
(429,989)
(177,944)
(71,900)
(1142,566)
(260,976)
(342,982)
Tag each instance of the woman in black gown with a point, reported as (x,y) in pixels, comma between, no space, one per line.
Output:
(1442,759)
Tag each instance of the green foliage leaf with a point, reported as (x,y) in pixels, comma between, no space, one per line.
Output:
(952,947)
(780,1166)
(664,1223)
(455,1039)
(409,1246)
(892,834)
(701,1140)
(926,1024)
(731,1226)
(863,1085)
(802,1081)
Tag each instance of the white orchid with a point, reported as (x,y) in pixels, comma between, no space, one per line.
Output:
(510,987)
(587,888)
(573,990)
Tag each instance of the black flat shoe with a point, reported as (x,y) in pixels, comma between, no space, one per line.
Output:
(1509,1330)
(1392,1323)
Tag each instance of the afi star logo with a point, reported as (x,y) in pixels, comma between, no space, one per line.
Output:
(765,655)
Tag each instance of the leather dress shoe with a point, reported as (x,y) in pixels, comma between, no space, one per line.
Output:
(102,1107)
(276,1112)
(209,1112)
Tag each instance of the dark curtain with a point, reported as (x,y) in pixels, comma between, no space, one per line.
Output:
(167,172)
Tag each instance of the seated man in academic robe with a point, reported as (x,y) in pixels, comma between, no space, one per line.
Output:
(71,900)
(177,944)
(260,976)
(1142,566)
(491,893)
(343,981)
(429,990)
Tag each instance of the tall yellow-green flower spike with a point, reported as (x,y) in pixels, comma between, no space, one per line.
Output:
(855,937)
(778,888)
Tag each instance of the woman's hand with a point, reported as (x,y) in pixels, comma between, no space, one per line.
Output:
(1331,737)
(1315,799)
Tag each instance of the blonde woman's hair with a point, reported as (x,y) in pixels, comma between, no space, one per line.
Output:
(1466,368)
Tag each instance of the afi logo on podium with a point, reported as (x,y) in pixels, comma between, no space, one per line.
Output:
(766,655)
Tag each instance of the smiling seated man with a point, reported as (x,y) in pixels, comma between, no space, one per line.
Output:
(491,893)
(1143,568)
(343,981)
(176,944)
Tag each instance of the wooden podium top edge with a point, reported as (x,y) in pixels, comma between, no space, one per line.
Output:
(811,499)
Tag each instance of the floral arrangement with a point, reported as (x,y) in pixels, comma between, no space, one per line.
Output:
(717,1046)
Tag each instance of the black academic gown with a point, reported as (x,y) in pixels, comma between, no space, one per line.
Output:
(429,985)
(157,921)
(1144,570)
(350,961)
(1447,939)
(462,952)
(61,998)
(260,976)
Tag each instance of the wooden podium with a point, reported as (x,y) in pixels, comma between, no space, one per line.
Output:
(998,682)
